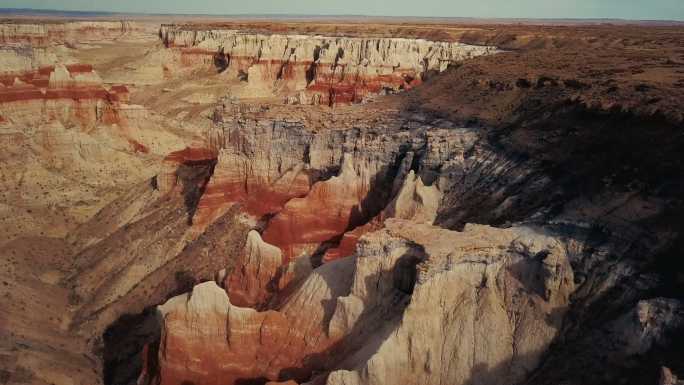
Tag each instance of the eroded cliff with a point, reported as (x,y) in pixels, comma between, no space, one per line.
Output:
(315,69)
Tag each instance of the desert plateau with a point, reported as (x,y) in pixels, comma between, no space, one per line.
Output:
(340,201)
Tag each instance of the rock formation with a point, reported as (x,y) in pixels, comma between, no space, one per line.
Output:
(86,140)
(510,281)
(473,290)
(73,94)
(315,69)
(252,278)
(413,201)
(323,214)
(206,339)
(44,34)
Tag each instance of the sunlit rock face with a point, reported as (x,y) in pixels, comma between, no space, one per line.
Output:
(44,34)
(38,86)
(251,282)
(315,69)
(413,201)
(68,93)
(73,138)
(409,287)
(324,213)
(207,339)
(467,292)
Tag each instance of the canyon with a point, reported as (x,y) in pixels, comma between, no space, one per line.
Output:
(340,203)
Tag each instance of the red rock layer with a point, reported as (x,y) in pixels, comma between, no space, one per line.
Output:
(237,179)
(251,281)
(208,340)
(335,86)
(35,85)
(138,147)
(253,342)
(347,244)
(44,34)
(327,212)
(191,154)
(191,57)
(257,198)
(84,107)
(41,76)
(330,84)
(25,93)
(119,93)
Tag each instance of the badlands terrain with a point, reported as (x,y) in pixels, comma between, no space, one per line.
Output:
(208,202)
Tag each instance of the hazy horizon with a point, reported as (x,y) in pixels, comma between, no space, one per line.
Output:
(523,9)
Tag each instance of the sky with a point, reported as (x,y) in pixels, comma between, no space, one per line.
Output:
(623,9)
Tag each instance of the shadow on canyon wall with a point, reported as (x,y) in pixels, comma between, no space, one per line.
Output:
(565,152)
(194,176)
(553,156)
(124,347)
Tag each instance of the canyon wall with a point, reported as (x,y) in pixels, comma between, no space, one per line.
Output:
(357,244)
(44,34)
(418,292)
(336,313)
(316,69)
(71,140)
(353,303)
